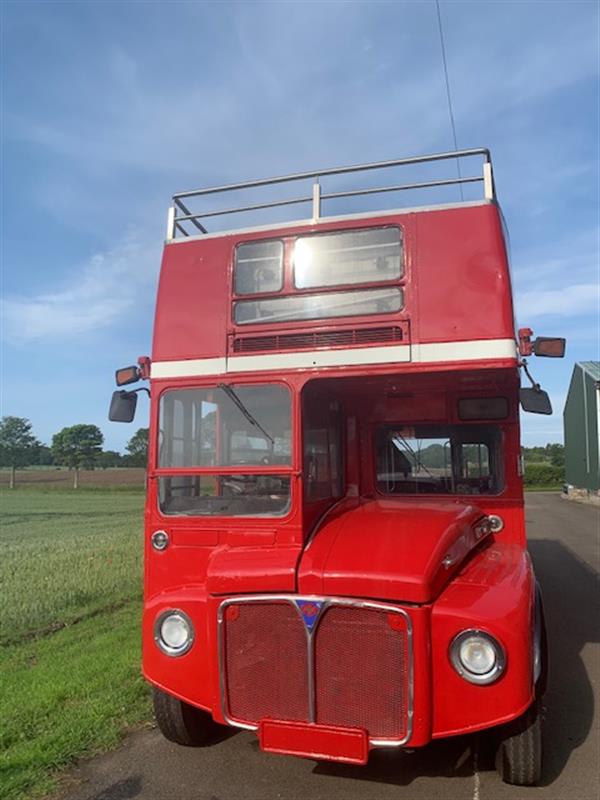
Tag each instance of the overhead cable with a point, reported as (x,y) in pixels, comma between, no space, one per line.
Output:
(448,95)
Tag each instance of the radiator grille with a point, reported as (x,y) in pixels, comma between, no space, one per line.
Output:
(360,666)
(310,340)
(266,657)
(361,671)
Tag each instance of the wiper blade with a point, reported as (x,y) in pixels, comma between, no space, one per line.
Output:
(417,456)
(230,393)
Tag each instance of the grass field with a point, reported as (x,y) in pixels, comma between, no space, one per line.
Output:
(70,605)
(70,601)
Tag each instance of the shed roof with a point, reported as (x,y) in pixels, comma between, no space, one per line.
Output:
(592,368)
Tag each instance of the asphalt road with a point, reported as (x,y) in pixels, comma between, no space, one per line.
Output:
(565,548)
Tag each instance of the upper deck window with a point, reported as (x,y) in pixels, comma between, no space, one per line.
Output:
(258,267)
(336,259)
(326,305)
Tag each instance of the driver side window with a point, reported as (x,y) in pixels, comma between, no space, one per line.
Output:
(323,453)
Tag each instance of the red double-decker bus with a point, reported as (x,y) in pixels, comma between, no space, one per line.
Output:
(335,551)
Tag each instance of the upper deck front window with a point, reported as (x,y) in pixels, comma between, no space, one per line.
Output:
(347,273)
(336,259)
(225,426)
(258,267)
(294,308)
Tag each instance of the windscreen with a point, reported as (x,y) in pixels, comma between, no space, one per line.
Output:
(451,459)
(241,426)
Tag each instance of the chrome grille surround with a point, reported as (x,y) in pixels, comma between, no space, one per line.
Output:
(323,603)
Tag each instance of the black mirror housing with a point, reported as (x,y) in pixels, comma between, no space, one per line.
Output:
(535,400)
(122,406)
(127,375)
(550,347)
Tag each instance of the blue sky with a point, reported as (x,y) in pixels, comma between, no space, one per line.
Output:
(110,107)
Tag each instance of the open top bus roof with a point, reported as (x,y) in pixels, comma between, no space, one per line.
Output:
(184,222)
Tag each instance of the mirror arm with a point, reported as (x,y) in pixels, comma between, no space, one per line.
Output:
(141,389)
(534,384)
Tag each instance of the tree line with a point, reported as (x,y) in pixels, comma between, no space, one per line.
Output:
(80,447)
(76,447)
(553,454)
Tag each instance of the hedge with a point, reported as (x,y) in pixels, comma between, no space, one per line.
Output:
(543,475)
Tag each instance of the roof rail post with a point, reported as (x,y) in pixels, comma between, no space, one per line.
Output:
(316,199)
(171,223)
(488,181)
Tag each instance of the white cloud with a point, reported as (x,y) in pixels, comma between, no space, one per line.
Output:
(292,87)
(99,293)
(568,301)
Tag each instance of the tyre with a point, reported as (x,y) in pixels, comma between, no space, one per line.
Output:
(519,754)
(542,681)
(181,723)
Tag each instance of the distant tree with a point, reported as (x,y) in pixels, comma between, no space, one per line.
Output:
(109,458)
(44,456)
(553,454)
(76,447)
(208,433)
(18,445)
(137,449)
(556,454)
(534,455)
(434,455)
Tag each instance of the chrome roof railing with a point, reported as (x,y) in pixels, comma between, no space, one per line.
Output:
(180,214)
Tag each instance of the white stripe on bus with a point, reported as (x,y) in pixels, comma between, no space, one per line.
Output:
(434,352)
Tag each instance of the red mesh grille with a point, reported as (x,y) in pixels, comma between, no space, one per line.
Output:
(265,662)
(297,341)
(361,670)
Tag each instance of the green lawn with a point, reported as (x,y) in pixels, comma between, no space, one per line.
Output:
(70,589)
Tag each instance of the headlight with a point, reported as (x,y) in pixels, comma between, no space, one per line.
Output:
(160,540)
(174,632)
(496,523)
(477,656)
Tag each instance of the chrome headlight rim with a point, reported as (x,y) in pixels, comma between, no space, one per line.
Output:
(485,678)
(496,523)
(163,646)
(160,541)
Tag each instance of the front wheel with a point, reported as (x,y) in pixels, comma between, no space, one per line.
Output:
(519,754)
(182,723)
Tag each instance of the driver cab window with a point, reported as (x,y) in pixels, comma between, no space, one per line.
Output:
(225,426)
(453,459)
(233,426)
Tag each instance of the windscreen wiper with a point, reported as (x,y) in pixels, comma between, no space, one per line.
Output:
(417,456)
(231,394)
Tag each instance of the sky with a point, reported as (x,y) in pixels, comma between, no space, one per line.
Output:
(108,108)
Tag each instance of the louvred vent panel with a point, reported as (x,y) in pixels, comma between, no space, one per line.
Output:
(311,340)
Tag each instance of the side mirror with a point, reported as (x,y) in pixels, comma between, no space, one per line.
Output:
(535,400)
(550,347)
(127,375)
(122,406)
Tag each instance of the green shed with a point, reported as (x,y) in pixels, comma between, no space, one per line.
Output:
(582,427)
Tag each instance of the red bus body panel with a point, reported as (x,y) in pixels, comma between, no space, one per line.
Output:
(453,340)
(452,293)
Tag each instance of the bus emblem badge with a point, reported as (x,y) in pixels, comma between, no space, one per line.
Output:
(310,610)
